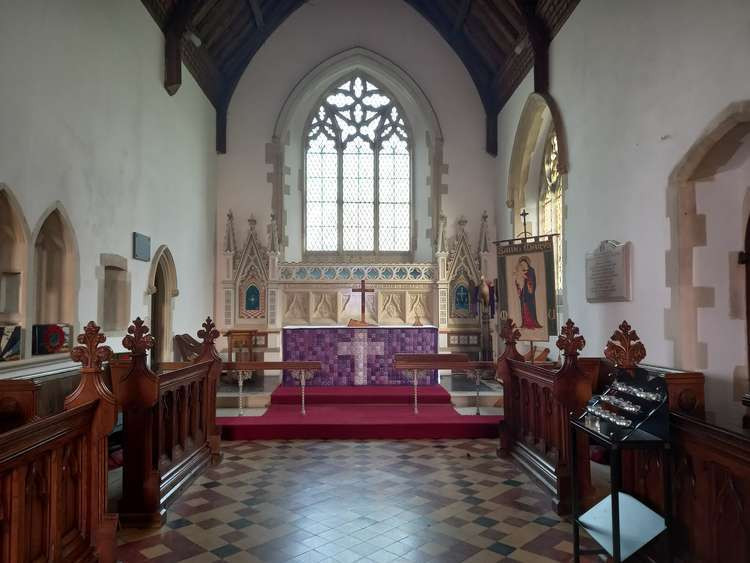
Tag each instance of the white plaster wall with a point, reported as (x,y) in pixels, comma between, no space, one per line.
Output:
(316,32)
(84,120)
(636,83)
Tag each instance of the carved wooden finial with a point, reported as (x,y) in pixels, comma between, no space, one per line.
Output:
(570,341)
(90,354)
(138,340)
(209,333)
(509,333)
(625,348)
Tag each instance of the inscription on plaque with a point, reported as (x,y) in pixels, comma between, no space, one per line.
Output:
(608,272)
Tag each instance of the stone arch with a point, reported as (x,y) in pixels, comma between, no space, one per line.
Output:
(162,290)
(14,260)
(688,231)
(113,293)
(56,274)
(538,114)
(284,151)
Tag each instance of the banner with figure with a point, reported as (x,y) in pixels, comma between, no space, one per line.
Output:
(526,278)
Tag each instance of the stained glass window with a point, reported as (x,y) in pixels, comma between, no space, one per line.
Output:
(551,204)
(358,172)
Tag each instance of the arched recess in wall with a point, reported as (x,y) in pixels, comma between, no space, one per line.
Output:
(113,295)
(56,269)
(162,289)
(14,250)
(286,148)
(538,116)
(537,178)
(718,144)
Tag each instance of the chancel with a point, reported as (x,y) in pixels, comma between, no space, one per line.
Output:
(393,280)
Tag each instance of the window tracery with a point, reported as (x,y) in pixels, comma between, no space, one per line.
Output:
(551,203)
(357,172)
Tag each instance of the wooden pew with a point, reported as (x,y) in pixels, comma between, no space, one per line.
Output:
(18,403)
(169,422)
(53,473)
(537,402)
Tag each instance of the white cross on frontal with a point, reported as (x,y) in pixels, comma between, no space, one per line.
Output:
(360,348)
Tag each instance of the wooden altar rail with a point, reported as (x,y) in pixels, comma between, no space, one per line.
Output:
(537,401)
(169,424)
(415,363)
(53,473)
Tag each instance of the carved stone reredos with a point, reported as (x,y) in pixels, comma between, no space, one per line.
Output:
(252,262)
(461,260)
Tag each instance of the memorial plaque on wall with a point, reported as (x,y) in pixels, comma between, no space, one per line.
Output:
(608,272)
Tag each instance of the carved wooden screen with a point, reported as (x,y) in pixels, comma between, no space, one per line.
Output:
(357,172)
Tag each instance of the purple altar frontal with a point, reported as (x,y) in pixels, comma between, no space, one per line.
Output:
(358,356)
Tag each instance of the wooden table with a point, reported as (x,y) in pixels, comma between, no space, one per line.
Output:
(240,338)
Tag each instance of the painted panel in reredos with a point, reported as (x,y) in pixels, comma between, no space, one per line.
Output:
(527,287)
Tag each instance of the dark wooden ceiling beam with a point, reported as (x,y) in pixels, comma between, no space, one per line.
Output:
(489,46)
(463,12)
(510,12)
(498,41)
(202,11)
(539,38)
(257,13)
(174,30)
(480,73)
(220,18)
(499,24)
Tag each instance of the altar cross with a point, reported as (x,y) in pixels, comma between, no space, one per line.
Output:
(363,291)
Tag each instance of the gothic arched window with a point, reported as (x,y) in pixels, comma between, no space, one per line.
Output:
(357,172)
(551,203)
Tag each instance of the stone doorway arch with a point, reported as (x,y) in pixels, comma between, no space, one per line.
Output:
(162,289)
(688,230)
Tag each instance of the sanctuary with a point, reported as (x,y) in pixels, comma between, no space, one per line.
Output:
(356,280)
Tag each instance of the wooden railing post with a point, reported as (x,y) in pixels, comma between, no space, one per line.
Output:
(92,388)
(138,393)
(511,392)
(572,389)
(208,353)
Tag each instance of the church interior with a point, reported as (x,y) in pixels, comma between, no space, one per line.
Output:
(374,280)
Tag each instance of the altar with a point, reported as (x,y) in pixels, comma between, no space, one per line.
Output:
(358,356)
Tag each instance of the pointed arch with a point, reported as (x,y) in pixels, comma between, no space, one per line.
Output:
(56,275)
(162,289)
(688,230)
(14,260)
(285,149)
(538,110)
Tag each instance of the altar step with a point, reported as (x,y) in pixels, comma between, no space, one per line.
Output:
(362,395)
(385,412)
(358,421)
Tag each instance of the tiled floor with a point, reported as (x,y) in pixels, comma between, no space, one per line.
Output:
(431,500)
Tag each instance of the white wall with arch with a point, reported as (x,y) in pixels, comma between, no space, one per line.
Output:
(86,127)
(318,32)
(636,84)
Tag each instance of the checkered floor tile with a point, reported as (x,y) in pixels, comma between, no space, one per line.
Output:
(430,500)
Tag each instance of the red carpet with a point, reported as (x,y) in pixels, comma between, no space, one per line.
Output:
(361,395)
(369,412)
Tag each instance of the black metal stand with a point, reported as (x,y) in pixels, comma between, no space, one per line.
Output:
(615,448)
